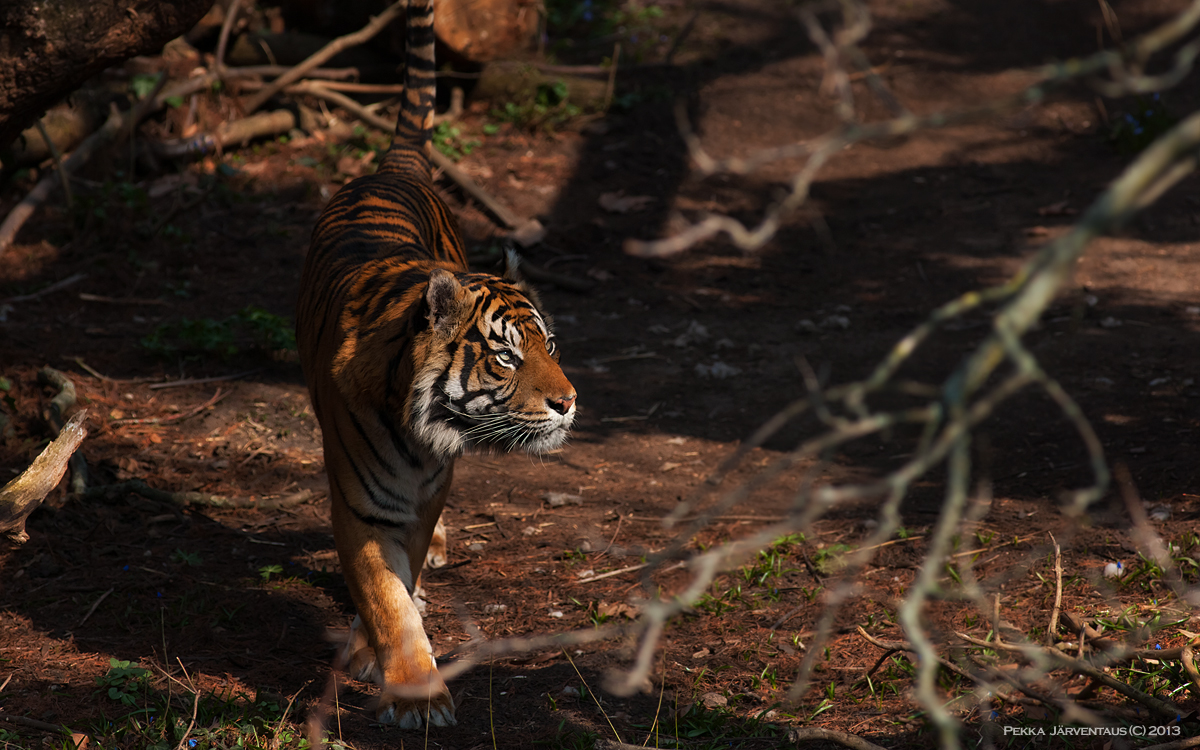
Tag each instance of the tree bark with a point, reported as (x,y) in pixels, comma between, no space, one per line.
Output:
(48,48)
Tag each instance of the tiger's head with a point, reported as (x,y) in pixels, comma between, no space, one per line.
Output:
(489,372)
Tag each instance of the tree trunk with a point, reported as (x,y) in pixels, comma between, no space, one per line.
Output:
(48,48)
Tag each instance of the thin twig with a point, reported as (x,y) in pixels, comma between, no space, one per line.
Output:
(202,381)
(119,300)
(493,205)
(35,724)
(195,695)
(41,191)
(817,734)
(612,573)
(1187,656)
(376,25)
(231,14)
(1052,629)
(93,607)
(216,398)
(611,87)
(55,287)
(64,177)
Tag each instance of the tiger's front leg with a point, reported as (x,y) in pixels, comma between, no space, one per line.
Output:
(381,565)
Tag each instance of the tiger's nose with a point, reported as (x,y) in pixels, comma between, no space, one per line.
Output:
(561,405)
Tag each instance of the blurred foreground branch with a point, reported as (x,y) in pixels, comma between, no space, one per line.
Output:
(945,415)
(1124,68)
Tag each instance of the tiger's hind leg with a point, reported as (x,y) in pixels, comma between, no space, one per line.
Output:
(380,565)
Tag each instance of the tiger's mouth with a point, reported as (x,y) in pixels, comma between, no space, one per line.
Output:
(510,430)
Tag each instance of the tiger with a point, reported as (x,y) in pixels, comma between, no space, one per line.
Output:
(410,360)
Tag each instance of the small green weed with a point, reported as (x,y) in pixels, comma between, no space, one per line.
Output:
(187,558)
(574,555)
(550,108)
(831,559)
(449,140)
(701,727)
(267,571)
(251,326)
(571,738)
(125,681)
(770,562)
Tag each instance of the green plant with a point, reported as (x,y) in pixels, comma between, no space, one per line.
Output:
(549,108)
(831,559)
(124,681)
(448,139)
(187,558)
(571,738)
(250,326)
(267,571)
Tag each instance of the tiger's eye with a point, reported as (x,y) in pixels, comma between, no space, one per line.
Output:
(505,356)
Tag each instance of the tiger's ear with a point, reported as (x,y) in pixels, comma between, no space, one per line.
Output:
(512,267)
(512,274)
(444,297)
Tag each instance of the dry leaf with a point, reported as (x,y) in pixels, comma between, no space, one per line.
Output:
(622,204)
(617,609)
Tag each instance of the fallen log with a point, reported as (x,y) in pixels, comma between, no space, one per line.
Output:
(23,495)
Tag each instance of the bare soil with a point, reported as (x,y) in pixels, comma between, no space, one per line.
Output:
(911,223)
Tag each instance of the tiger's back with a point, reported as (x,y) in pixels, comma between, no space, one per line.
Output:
(410,359)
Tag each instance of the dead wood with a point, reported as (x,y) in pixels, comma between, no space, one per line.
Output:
(45,186)
(492,204)
(48,49)
(337,45)
(55,415)
(236,133)
(24,721)
(115,126)
(816,734)
(67,124)
(274,71)
(23,495)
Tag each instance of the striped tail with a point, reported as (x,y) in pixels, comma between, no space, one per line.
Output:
(412,142)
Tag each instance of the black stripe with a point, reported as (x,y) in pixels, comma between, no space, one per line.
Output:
(376,520)
(369,520)
(399,443)
(436,475)
(403,502)
(370,444)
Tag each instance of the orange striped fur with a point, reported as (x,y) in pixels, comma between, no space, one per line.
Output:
(411,359)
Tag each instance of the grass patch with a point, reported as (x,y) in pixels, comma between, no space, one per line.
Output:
(252,327)
(149,718)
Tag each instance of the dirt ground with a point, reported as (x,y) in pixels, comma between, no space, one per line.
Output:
(248,601)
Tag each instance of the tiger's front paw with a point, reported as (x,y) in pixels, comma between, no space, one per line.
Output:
(410,713)
(435,557)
